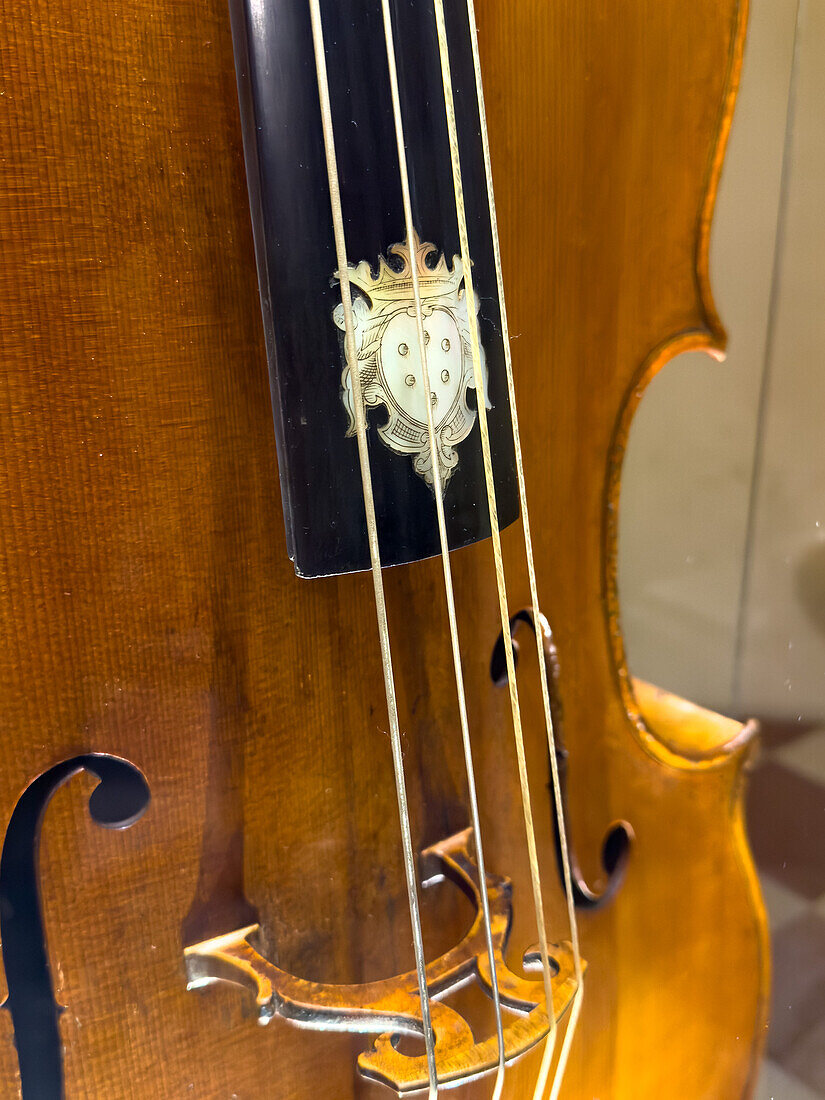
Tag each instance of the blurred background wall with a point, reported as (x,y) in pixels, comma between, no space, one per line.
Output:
(722,538)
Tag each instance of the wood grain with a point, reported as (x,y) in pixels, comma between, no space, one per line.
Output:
(149,610)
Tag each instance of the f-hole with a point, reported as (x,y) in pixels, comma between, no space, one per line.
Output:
(617,841)
(119,799)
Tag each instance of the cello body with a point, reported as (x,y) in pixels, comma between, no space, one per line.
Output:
(150,612)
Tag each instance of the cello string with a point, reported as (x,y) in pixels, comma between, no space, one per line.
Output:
(443,538)
(507,639)
(372,535)
(538,619)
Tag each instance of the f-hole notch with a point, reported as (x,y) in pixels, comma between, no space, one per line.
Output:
(618,839)
(119,799)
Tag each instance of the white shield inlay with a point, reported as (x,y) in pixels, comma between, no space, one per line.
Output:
(389,358)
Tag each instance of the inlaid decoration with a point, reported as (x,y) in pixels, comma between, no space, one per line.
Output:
(389,360)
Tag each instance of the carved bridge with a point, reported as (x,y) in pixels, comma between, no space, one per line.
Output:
(391,1007)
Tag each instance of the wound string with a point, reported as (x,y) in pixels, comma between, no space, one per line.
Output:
(445,549)
(372,535)
(527,809)
(538,619)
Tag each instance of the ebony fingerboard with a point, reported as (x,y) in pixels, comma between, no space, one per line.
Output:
(290,204)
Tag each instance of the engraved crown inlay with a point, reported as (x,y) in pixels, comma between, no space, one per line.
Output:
(389,360)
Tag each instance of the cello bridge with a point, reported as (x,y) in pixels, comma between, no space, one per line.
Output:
(390,1008)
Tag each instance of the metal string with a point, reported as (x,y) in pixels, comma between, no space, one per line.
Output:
(531,569)
(507,639)
(445,549)
(372,534)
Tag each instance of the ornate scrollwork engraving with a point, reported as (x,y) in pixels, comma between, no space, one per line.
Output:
(391,1007)
(389,360)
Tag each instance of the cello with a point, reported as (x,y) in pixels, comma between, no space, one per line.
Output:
(300,674)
